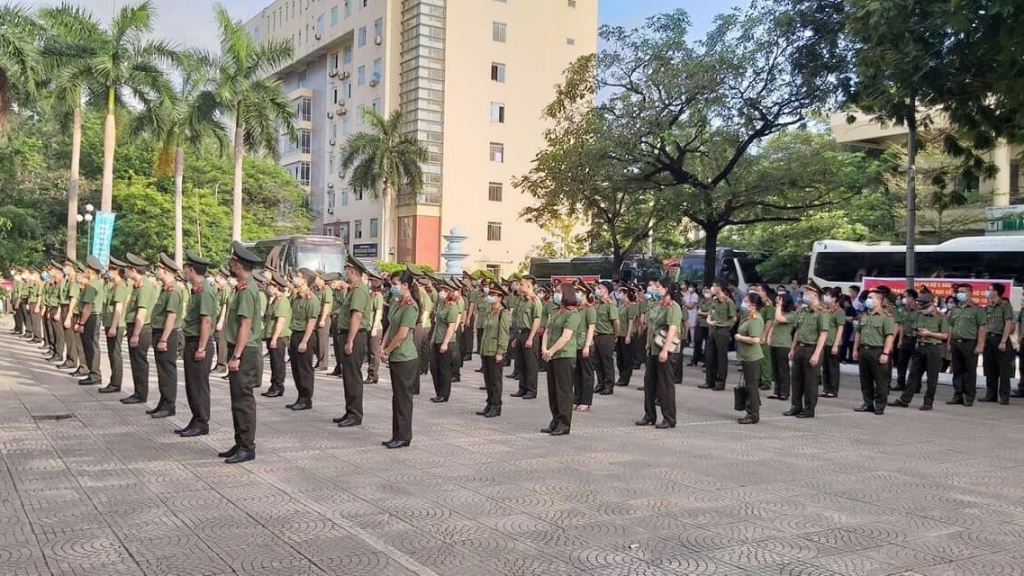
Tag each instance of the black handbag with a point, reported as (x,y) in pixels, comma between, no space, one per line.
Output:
(739,396)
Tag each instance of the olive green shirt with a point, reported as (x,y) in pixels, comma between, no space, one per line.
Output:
(548,308)
(563,320)
(95,294)
(338,302)
(403,313)
(588,318)
(874,328)
(933,323)
(50,297)
(607,314)
(303,307)
(835,320)
(143,297)
(64,293)
(495,334)
(203,302)
(278,308)
(427,307)
(661,317)
(752,328)
(723,314)
(357,299)
(169,301)
(782,334)
(966,320)
(808,325)
(117,294)
(526,310)
(445,314)
(704,306)
(244,304)
(996,317)
(768,314)
(377,303)
(627,313)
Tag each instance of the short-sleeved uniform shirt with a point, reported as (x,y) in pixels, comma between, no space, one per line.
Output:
(808,325)
(495,335)
(627,313)
(723,313)
(204,301)
(782,334)
(526,310)
(704,306)
(446,313)
(768,314)
(965,320)
(931,323)
(834,319)
(403,313)
(279,307)
(666,315)
(561,320)
(50,294)
(996,317)
(117,294)
(588,318)
(169,301)
(95,294)
(244,304)
(607,314)
(357,299)
(426,307)
(304,307)
(143,296)
(874,327)
(752,328)
(376,304)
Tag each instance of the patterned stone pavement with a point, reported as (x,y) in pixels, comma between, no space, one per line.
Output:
(90,486)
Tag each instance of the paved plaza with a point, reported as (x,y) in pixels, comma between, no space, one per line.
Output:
(89,486)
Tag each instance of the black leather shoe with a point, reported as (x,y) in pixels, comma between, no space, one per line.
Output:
(456,379)
(306,405)
(370,381)
(78,373)
(792,412)
(663,424)
(513,376)
(56,358)
(559,432)
(987,399)
(644,422)
(551,427)
(864,408)
(241,456)
(66,365)
(348,422)
(180,430)
(606,392)
(479,370)
(529,396)
(89,382)
(163,414)
(926,407)
(704,387)
(482,387)
(228,453)
(109,389)
(339,419)
(518,394)
(748,420)
(484,411)
(968,404)
(386,442)
(438,399)
(955,401)
(1004,401)
(397,444)
(898,403)
(336,371)
(153,410)
(879,411)
(132,400)
(274,393)
(293,404)
(623,384)
(494,412)
(805,415)
(192,432)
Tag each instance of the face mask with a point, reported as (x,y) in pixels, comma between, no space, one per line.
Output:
(579,297)
(46,276)
(869,303)
(989,294)
(557,299)
(396,290)
(806,300)
(490,299)
(443,294)
(707,294)
(900,302)
(827,299)
(652,293)
(745,306)
(961,297)
(927,312)
(951,305)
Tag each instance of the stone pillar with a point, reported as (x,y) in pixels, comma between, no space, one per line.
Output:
(1002,159)
(453,254)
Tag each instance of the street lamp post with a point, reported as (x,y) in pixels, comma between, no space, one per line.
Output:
(87,218)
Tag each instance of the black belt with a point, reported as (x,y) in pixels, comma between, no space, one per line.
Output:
(357,331)
(870,347)
(994,335)
(923,345)
(965,339)
(193,339)
(721,328)
(606,334)
(802,345)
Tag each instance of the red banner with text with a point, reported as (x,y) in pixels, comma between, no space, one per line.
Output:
(942,287)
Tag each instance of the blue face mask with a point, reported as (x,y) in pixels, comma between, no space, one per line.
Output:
(869,303)
(579,297)
(396,290)
(806,300)
(745,306)
(961,297)
(557,299)
(490,299)
(652,293)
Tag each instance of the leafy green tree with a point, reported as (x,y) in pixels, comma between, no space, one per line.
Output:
(19,58)
(21,237)
(382,160)
(251,96)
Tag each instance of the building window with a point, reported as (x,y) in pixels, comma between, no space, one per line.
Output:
(376,105)
(320,25)
(405,227)
(359,195)
(359,113)
(330,199)
(304,109)
(348,90)
(498,31)
(494,269)
(330,164)
(348,7)
(300,171)
(344,126)
(334,61)
(498,72)
(365,2)
(494,190)
(305,141)
(256,33)
(377,65)
(570,41)
(494,231)
(359,230)
(497,152)
(334,95)
(344,196)
(497,112)
(334,132)
(378,28)
(362,36)
(374,223)
(346,56)
(572,3)
(301,80)
(334,15)
(361,75)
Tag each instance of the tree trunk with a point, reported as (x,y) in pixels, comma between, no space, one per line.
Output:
(385,229)
(236,194)
(109,145)
(73,181)
(711,232)
(911,189)
(179,169)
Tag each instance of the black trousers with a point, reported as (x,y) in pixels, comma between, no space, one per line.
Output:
(352,375)
(752,382)
(998,368)
(373,357)
(243,404)
(780,370)
(875,377)
(906,352)
(37,326)
(441,370)
(167,370)
(91,345)
(115,357)
(479,338)
(48,329)
(197,382)
(830,371)
(58,331)
(529,366)
(302,365)
(139,359)
(223,354)
(965,370)
(927,359)
(560,392)
(717,359)
(466,343)
(19,317)
(658,387)
(421,335)
(277,364)
(804,380)
(492,380)
(323,336)
(403,378)
(624,359)
(337,342)
(455,353)
(603,359)
(700,336)
(583,378)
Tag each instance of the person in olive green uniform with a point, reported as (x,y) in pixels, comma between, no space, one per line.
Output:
(558,348)
(376,325)
(93,299)
(17,289)
(243,327)
(423,327)
(1019,392)
(302,348)
(460,330)
(906,340)
(51,296)
(224,293)
(872,347)
(168,309)
(496,320)
(605,331)
(277,332)
(930,333)
(583,371)
(626,299)
(526,318)
(664,319)
(118,293)
(445,322)
(749,336)
(354,320)
(781,338)
(967,328)
(482,292)
(324,324)
(810,333)
(472,297)
(197,328)
(768,317)
(35,306)
(997,357)
(835,319)
(72,343)
(400,352)
(339,292)
(57,312)
(138,329)
(702,332)
(720,321)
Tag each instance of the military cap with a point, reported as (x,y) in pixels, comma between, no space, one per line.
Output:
(924,298)
(424,280)
(78,265)
(182,277)
(813,287)
(351,262)
(374,277)
(242,254)
(224,271)
(279,279)
(259,277)
(307,274)
(136,261)
(414,271)
(168,263)
(115,263)
(331,276)
(94,264)
(321,273)
(526,277)
(196,260)
(497,290)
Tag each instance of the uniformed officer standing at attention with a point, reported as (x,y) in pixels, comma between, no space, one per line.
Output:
(339,291)
(118,293)
(998,354)
(277,332)
(354,319)
(243,327)
(224,293)
(323,327)
(605,331)
(721,318)
(203,307)
(376,326)
(495,320)
(967,328)
(93,298)
(526,317)
(810,332)
(402,356)
(835,318)
(930,333)
(73,352)
(664,319)
(59,313)
(872,347)
(169,307)
(139,331)
(302,348)
(446,320)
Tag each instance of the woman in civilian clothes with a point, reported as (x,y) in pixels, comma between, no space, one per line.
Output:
(496,321)
(781,339)
(583,372)
(277,331)
(749,337)
(400,352)
(558,348)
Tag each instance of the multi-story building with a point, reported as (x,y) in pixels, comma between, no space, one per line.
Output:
(471,78)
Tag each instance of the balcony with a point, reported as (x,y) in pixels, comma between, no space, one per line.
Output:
(408,199)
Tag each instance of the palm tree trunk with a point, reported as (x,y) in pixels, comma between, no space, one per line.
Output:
(179,169)
(236,194)
(385,215)
(109,143)
(76,156)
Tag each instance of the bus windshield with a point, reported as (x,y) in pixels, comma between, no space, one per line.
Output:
(326,258)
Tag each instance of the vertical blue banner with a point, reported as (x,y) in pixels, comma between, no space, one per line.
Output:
(102,234)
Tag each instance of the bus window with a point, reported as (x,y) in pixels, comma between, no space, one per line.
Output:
(273,258)
(748,268)
(691,269)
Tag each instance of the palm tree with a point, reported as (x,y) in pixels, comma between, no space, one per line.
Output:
(380,161)
(72,41)
(188,116)
(127,65)
(19,58)
(256,101)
